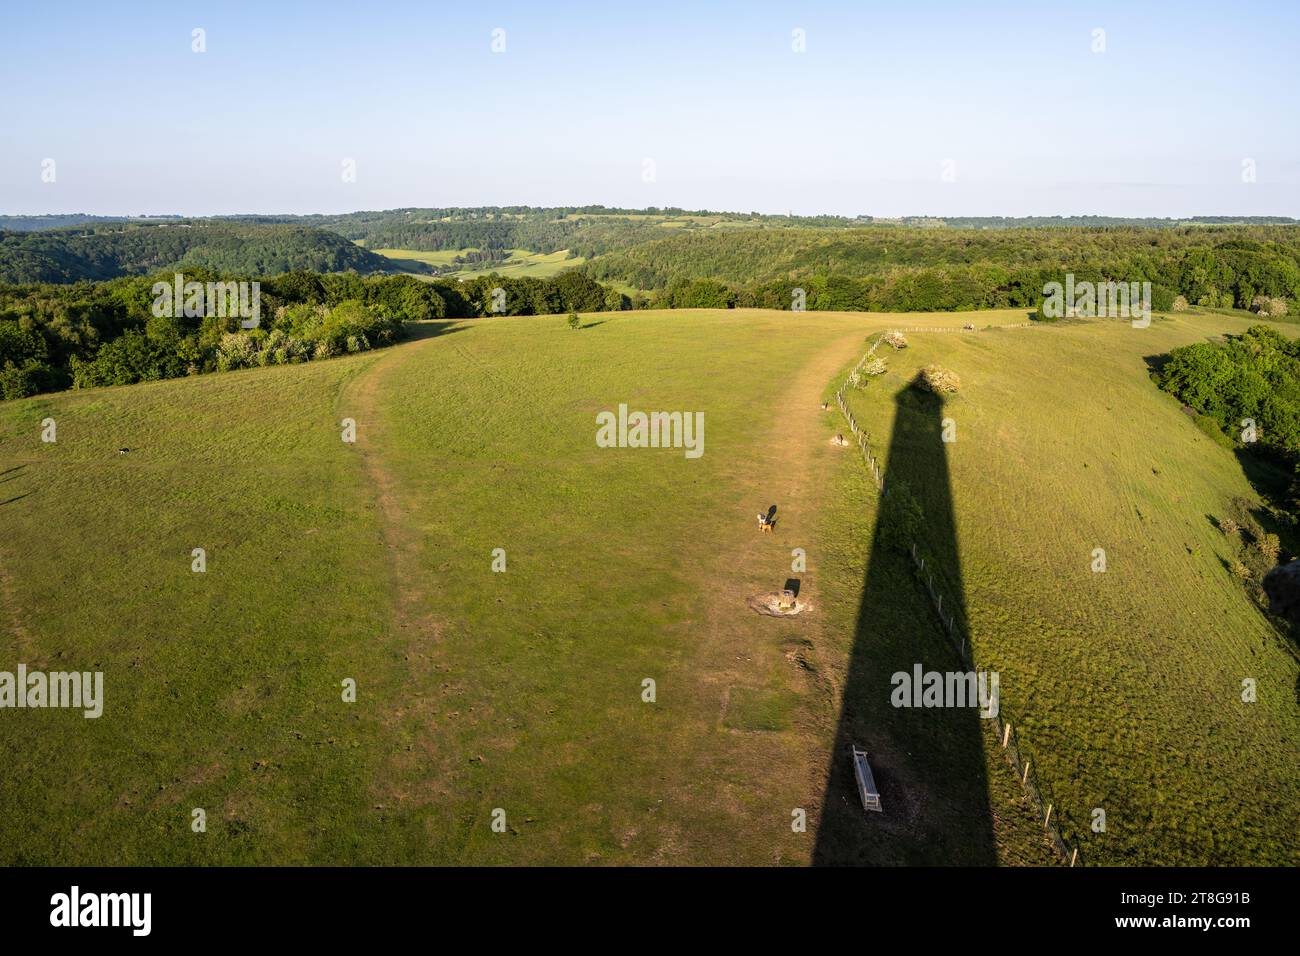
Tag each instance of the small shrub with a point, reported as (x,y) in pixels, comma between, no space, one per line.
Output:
(1266,305)
(236,351)
(937,379)
(861,376)
(896,339)
(1268,545)
(1229,527)
(574,322)
(1180,304)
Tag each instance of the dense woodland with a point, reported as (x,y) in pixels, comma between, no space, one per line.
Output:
(891,269)
(586,231)
(1244,393)
(1244,379)
(86,334)
(587,236)
(112,251)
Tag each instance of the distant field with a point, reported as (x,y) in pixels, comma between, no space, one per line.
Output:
(521,261)
(440,257)
(522,690)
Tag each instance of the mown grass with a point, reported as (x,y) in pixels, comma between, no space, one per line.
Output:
(223,688)
(1125,686)
(623,565)
(523,690)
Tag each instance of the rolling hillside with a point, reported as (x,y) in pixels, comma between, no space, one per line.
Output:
(108,252)
(1124,684)
(524,690)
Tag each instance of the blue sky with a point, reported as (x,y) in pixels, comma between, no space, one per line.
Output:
(1008,97)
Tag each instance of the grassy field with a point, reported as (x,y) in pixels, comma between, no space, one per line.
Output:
(523,691)
(1124,685)
(435,257)
(539,265)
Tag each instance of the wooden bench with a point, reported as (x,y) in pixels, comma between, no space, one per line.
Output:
(866,783)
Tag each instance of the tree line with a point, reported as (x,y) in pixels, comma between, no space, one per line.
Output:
(1246,391)
(86,334)
(894,269)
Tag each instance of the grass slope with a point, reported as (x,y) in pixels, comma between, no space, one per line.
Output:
(1124,685)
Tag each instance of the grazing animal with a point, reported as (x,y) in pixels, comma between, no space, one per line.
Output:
(763,523)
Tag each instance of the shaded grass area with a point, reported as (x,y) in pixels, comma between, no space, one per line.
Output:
(1125,685)
(948,797)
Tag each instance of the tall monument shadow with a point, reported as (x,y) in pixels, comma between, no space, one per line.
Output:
(928,763)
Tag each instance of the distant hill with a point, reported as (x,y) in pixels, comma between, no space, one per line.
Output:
(60,221)
(898,268)
(591,231)
(98,252)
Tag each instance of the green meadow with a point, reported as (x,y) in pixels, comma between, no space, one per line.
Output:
(610,696)
(539,265)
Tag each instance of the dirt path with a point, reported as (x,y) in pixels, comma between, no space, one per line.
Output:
(362,402)
(791,460)
(745,650)
(804,456)
(22,643)
(22,638)
(788,466)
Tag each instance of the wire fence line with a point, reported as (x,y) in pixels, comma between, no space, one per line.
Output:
(1035,788)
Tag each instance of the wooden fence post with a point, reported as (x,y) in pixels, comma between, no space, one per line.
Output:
(1006,735)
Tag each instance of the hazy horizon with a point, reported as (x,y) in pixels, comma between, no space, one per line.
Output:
(609,206)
